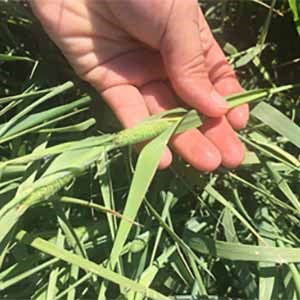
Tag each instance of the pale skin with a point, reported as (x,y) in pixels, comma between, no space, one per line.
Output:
(142,56)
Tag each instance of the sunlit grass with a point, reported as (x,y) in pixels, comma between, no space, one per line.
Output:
(80,218)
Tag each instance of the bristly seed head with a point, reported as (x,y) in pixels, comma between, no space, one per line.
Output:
(143,132)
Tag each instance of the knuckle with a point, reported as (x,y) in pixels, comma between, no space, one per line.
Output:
(192,67)
(221,70)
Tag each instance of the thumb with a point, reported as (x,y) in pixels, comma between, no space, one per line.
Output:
(184,60)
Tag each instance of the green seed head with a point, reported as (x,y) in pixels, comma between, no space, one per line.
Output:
(142,132)
(45,192)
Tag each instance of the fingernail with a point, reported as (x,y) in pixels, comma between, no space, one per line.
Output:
(218,100)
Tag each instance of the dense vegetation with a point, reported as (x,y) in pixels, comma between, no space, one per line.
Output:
(82,218)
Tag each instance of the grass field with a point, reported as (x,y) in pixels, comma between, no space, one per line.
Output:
(83,217)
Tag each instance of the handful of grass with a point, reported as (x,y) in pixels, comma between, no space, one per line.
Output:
(74,158)
(71,160)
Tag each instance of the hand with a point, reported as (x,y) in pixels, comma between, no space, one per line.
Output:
(141,55)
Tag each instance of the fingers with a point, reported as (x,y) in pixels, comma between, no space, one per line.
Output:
(226,83)
(191,145)
(129,107)
(221,74)
(239,116)
(218,130)
(184,60)
(221,134)
(197,150)
(42,7)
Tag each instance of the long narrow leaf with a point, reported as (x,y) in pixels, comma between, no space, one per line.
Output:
(87,265)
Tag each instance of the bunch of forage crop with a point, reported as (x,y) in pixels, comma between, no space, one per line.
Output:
(73,159)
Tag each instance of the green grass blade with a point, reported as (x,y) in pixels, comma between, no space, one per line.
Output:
(145,169)
(242,270)
(278,122)
(266,26)
(60,173)
(80,127)
(258,94)
(262,191)
(294,269)
(188,251)
(76,161)
(149,274)
(295,8)
(105,183)
(284,187)
(4,284)
(242,252)
(20,267)
(209,189)
(72,287)
(41,117)
(24,95)
(168,198)
(248,56)
(276,150)
(97,207)
(86,265)
(53,277)
(74,274)
(4,110)
(54,150)
(38,192)
(7,58)
(29,108)
(42,125)
(267,270)
(269,152)
(68,231)
(229,228)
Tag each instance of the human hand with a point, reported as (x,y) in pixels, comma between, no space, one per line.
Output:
(141,55)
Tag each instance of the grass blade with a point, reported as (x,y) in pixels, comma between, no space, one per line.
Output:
(145,169)
(278,122)
(295,8)
(41,117)
(21,114)
(258,94)
(87,265)
(242,252)
(8,57)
